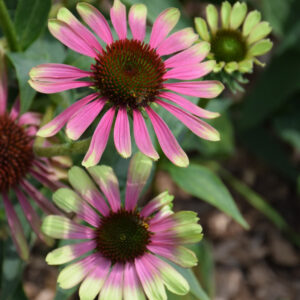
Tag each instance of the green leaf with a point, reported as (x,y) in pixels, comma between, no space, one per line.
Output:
(42,51)
(30,20)
(202,183)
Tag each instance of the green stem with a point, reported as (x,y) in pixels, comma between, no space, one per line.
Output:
(260,204)
(8,28)
(79,147)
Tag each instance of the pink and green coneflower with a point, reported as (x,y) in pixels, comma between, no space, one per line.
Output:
(129,76)
(18,162)
(122,251)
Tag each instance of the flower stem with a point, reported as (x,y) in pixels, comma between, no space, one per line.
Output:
(8,28)
(79,147)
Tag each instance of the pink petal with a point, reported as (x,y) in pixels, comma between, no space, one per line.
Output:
(78,124)
(57,86)
(16,228)
(195,124)
(122,133)
(164,23)
(66,16)
(118,19)
(46,180)
(15,110)
(189,106)
(65,34)
(53,72)
(177,41)
(57,123)
(202,89)
(188,72)
(30,118)
(167,140)
(137,21)
(99,139)
(190,56)
(3,83)
(88,215)
(132,286)
(96,21)
(141,135)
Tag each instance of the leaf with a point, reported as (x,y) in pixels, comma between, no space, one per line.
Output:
(202,183)
(30,20)
(42,51)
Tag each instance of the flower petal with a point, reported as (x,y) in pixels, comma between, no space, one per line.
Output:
(164,23)
(15,110)
(189,106)
(30,118)
(259,32)
(261,47)
(141,135)
(105,177)
(225,14)
(212,17)
(201,28)
(99,139)
(84,185)
(238,14)
(188,72)
(95,20)
(137,21)
(118,18)
(202,89)
(252,19)
(138,174)
(57,123)
(3,83)
(78,124)
(178,41)
(66,35)
(167,140)
(132,285)
(122,137)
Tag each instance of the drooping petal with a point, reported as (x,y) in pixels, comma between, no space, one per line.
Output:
(189,106)
(113,286)
(202,89)
(3,83)
(73,274)
(164,23)
(178,41)
(137,21)
(118,18)
(252,19)
(57,123)
(137,176)
(83,184)
(225,14)
(65,34)
(212,17)
(188,72)
(122,137)
(57,86)
(31,216)
(238,14)
(167,140)
(69,201)
(66,16)
(78,124)
(60,227)
(68,253)
(17,236)
(132,285)
(95,20)
(150,279)
(93,283)
(201,28)
(105,177)
(196,125)
(51,72)
(99,139)
(141,135)
(190,56)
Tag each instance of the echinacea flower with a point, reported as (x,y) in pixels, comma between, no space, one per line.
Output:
(241,37)
(122,252)
(18,162)
(129,75)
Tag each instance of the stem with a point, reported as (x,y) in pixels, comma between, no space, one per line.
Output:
(8,28)
(79,147)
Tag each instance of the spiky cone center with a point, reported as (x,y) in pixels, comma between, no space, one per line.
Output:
(228,46)
(16,153)
(129,73)
(123,236)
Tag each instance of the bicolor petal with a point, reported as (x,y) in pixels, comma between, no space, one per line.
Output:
(132,288)
(118,18)
(137,21)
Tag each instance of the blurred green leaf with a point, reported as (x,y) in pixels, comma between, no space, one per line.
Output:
(30,20)
(202,183)
(42,51)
